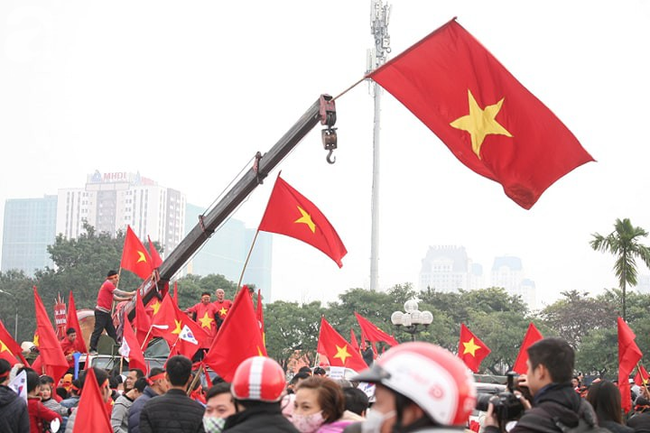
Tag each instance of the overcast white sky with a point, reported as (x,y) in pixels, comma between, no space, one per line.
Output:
(187,92)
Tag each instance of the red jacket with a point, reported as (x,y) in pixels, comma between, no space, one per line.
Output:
(38,414)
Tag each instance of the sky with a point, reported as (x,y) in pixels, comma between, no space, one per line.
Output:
(187,92)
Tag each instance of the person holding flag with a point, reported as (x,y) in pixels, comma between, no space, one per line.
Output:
(103,320)
(14,417)
(69,345)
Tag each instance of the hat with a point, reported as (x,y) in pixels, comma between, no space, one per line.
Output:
(111,273)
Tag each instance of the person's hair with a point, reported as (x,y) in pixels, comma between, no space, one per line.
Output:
(5,368)
(355,400)
(305,369)
(61,392)
(45,380)
(155,372)
(556,355)
(140,384)
(111,273)
(113,382)
(179,369)
(32,379)
(605,398)
(218,389)
(330,396)
(70,331)
(138,373)
(320,371)
(300,375)
(100,375)
(205,293)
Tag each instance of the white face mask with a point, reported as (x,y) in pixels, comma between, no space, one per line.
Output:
(213,425)
(307,423)
(374,421)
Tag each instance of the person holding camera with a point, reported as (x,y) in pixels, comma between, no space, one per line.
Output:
(556,407)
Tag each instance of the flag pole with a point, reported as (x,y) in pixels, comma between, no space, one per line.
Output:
(250,251)
(643,379)
(146,338)
(196,378)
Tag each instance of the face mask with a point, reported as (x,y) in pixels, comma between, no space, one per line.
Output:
(213,425)
(374,421)
(307,423)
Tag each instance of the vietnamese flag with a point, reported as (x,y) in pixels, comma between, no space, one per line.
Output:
(142,321)
(532,335)
(73,322)
(130,348)
(238,339)
(91,415)
(292,214)
(190,336)
(629,356)
(339,352)
(373,333)
(8,344)
(135,257)
(471,349)
(641,377)
(163,321)
(487,118)
(51,357)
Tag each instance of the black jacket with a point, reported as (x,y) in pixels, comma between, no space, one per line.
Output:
(13,412)
(173,412)
(556,403)
(261,417)
(136,409)
(640,422)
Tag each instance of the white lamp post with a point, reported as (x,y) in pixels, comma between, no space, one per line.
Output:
(412,320)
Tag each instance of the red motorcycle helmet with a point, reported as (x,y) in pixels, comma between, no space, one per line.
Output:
(431,377)
(258,378)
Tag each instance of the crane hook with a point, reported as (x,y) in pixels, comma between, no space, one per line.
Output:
(330,158)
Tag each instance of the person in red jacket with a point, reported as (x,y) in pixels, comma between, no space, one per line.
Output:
(39,415)
(68,345)
(203,313)
(221,306)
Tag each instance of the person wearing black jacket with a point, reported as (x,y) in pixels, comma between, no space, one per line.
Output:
(257,398)
(555,406)
(13,409)
(174,412)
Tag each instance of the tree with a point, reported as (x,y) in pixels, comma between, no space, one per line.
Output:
(624,243)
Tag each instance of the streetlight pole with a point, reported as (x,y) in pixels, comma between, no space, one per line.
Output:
(412,320)
(16,308)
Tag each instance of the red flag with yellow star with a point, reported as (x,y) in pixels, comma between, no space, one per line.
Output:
(72,321)
(290,213)
(488,120)
(471,349)
(163,320)
(238,339)
(130,348)
(9,349)
(135,257)
(53,360)
(339,352)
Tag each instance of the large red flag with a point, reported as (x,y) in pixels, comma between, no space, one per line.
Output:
(292,214)
(190,336)
(10,344)
(532,335)
(238,339)
(339,352)
(142,321)
(91,415)
(135,257)
(72,321)
(353,340)
(488,120)
(471,349)
(156,261)
(641,376)
(373,333)
(163,320)
(628,357)
(130,348)
(52,357)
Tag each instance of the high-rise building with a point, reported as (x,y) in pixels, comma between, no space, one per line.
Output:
(447,268)
(111,201)
(508,272)
(29,227)
(225,253)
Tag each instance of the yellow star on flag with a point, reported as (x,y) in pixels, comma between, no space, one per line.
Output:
(179,326)
(480,123)
(206,321)
(342,353)
(470,347)
(306,219)
(223,311)
(35,340)
(4,348)
(259,351)
(141,257)
(155,307)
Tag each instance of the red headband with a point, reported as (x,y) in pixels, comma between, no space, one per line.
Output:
(152,379)
(4,375)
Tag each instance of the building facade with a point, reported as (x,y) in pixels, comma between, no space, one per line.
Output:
(447,268)
(29,227)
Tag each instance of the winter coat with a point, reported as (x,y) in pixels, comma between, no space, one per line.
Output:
(263,417)
(136,408)
(173,412)
(14,417)
(39,415)
(120,414)
(640,422)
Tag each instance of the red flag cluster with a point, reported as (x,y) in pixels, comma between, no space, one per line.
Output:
(629,356)
(339,352)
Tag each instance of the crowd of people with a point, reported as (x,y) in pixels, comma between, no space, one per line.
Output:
(416,387)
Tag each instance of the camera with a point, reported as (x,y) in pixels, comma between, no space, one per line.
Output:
(507,406)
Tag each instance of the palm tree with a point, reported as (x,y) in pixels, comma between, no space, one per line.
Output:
(624,243)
